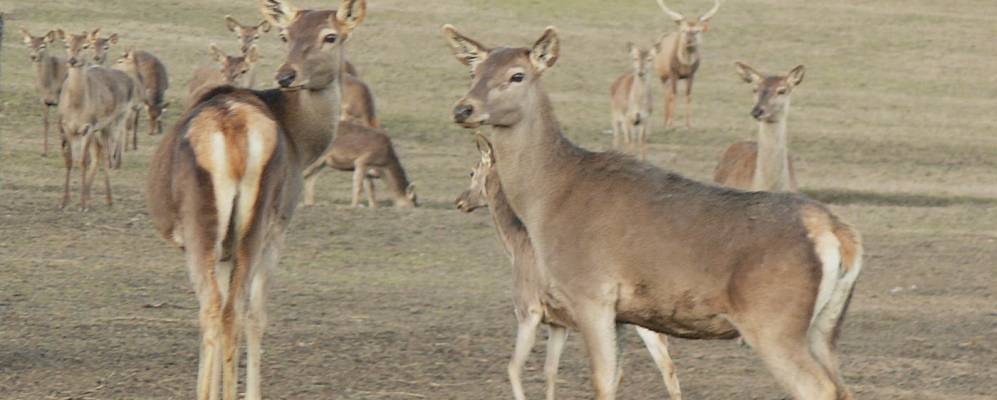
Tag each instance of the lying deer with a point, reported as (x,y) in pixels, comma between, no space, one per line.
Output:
(50,73)
(623,241)
(224,183)
(630,100)
(367,152)
(529,284)
(678,58)
(146,68)
(93,107)
(763,164)
(229,70)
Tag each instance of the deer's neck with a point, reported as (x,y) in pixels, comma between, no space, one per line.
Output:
(308,118)
(510,228)
(49,71)
(534,158)
(75,86)
(772,165)
(684,54)
(397,178)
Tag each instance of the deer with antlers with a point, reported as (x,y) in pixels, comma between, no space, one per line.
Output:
(225,182)
(50,73)
(234,70)
(630,100)
(150,73)
(678,58)
(93,108)
(763,164)
(622,241)
(529,284)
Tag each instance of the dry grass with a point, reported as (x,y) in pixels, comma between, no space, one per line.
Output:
(894,124)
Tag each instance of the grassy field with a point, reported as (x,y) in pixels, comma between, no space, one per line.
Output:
(894,125)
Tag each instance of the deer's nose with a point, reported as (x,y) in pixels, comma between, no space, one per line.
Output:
(462,112)
(286,78)
(72,61)
(757,112)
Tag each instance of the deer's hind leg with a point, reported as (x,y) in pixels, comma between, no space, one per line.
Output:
(368,182)
(359,174)
(200,233)
(657,345)
(103,160)
(556,337)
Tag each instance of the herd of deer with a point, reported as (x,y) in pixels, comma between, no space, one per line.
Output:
(597,240)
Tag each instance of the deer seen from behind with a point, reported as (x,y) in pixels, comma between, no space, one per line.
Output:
(623,241)
(763,164)
(93,107)
(678,58)
(224,184)
(529,285)
(146,68)
(631,102)
(50,73)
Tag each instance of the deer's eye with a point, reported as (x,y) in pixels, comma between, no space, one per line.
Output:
(781,91)
(86,46)
(517,77)
(283,38)
(330,38)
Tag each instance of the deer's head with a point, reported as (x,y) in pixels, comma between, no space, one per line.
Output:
(476,195)
(314,40)
(76,45)
(690,29)
(38,45)
(642,58)
(247,34)
(503,80)
(772,92)
(101,45)
(235,68)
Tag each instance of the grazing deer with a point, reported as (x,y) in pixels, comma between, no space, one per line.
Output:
(93,107)
(529,283)
(358,103)
(50,73)
(678,58)
(622,241)
(151,73)
(100,45)
(763,164)
(230,70)
(630,99)
(225,181)
(367,152)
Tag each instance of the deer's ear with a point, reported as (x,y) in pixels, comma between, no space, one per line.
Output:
(546,50)
(113,38)
(264,26)
(280,13)
(92,36)
(747,73)
(57,34)
(350,14)
(232,24)
(795,76)
(218,54)
(252,56)
(27,36)
(485,148)
(468,51)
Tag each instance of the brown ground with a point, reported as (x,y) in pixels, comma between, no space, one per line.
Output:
(893,124)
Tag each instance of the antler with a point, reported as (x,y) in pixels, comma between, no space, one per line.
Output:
(674,15)
(709,14)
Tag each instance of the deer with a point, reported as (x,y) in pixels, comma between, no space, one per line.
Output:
(485,190)
(631,103)
(763,164)
(247,35)
(146,69)
(225,181)
(369,154)
(50,73)
(678,58)
(623,241)
(229,70)
(94,105)
(358,103)
(101,46)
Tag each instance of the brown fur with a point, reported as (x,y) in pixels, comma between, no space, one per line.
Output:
(369,154)
(229,70)
(50,73)
(151,73)
(624,241)
(678,58)
(224,183)
(736,168)
(101,46)
(630,102)
(358,103)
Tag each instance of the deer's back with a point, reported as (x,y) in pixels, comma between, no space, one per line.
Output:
(154,76)
(736,168)
(358,102)
(354,141)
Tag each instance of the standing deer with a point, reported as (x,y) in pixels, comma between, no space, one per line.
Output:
(622,241)
(763,164)
(678,58)
(369,154)
(151,73)
(101,46)
(224,183)
(93,107)
(50,73)
(529,284)
(230,70)
(630,99)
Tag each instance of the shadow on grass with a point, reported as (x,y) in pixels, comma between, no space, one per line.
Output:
(844,196)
